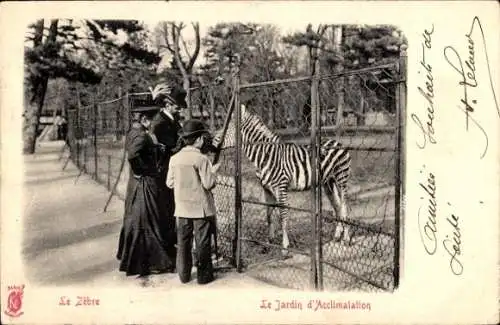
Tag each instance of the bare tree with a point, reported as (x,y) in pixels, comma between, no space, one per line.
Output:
(175,43)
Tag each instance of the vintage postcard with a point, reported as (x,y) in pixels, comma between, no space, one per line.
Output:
(226,162)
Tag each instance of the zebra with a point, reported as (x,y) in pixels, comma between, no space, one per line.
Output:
(283,167)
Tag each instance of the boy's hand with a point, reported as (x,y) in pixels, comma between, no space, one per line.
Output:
(215,168)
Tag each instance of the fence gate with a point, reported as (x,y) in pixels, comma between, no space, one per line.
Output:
(266,117)
(370,128)
(212,104)
(363,110)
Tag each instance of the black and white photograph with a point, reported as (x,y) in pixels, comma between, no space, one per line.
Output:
(246,161)
(300,145)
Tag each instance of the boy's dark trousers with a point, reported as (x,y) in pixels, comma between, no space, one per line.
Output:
(202,229)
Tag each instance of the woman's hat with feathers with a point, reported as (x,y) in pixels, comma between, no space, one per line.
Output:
(173,94)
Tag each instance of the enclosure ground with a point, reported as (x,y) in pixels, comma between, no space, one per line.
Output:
(69,240)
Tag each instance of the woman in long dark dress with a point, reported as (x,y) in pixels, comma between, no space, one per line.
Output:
(142,247)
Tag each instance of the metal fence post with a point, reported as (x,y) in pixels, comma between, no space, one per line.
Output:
(108,182)
(124,152)
(94,135)
(237,197)
(78,134)
(319,176)
(314,172)
(400,165)
(212,108)
(119,120)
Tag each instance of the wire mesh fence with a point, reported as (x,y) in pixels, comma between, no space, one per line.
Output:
(211,104)
(271,110)
(361,110)
(368,128)
(96,138)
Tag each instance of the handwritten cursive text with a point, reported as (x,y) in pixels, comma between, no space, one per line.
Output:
(469,80)
(429,230)
(453,246)
(428,131)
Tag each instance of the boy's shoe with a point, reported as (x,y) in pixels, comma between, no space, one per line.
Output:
(206,280)
(185,279)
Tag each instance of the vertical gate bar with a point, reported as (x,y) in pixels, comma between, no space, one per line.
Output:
(94,134)
(85,152)
(314,121)
(319,176)
(212,108)
(400,168)
(78,129)
(119,120)
(108,182)
(237,203)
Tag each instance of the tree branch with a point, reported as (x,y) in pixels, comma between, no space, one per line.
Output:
(177,57)
(196,52)
(184,45)
(167,42)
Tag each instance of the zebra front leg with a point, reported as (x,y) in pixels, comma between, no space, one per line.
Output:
(269,198)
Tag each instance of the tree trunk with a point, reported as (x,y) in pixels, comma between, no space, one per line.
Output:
(338,39)
(187,85)
(32,116)
(39,88)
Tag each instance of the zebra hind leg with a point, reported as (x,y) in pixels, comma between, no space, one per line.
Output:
(269,198)
(337,228)
(337,199)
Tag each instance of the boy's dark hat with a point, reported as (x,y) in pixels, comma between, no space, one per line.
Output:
(192,127)
(171,93)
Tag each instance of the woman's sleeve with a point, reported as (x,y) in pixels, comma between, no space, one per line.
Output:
(136,144)
(207,177)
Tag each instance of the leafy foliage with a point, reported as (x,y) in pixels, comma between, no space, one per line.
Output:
(77,51)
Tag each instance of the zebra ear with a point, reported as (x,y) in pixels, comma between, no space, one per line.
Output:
(243,109)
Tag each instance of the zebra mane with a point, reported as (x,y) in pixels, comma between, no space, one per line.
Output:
(258,125)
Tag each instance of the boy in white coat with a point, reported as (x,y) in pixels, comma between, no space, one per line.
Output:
(193,177)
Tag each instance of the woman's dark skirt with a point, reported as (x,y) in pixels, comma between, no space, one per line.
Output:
(147,238)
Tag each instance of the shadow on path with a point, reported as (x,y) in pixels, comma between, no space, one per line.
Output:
(81,276)
(36,247)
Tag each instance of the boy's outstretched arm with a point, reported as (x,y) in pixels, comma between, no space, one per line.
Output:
(208,173)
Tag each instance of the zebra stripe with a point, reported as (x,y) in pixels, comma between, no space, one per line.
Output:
(282,167)
(276,160)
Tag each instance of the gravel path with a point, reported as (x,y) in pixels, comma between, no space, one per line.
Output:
(69,240)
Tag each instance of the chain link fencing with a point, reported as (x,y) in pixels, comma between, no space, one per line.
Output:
(360,109)
(367,125)
(211,104)
(96,140)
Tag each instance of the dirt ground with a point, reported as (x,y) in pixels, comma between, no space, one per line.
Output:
(69,240)
(371,200)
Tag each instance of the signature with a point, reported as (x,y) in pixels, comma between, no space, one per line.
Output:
(468,78)
(429,230)
(452,246)
(428,93)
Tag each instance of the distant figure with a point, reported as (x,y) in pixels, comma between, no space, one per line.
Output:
(193,177)
(143,248)
(62,128)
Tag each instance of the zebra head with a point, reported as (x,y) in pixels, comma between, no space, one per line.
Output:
(230,136)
